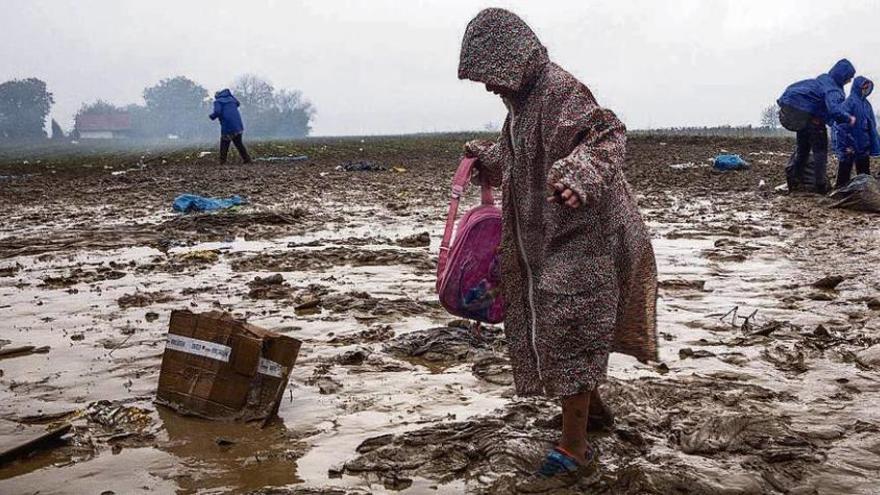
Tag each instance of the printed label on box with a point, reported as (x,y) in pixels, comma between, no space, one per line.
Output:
(198,347)
(270,368)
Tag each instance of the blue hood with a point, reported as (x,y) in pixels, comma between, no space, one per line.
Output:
(862,138)
(226,109)
(224,96)
(842,72)
(823,96)
(856,90)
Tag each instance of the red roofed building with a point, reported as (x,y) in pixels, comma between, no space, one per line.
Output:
(103,125)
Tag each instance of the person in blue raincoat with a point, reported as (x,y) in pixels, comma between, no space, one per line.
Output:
(856,144)
(231,126)
(805,107)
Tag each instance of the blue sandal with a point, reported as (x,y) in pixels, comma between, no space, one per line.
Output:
(561,462)
(560,470)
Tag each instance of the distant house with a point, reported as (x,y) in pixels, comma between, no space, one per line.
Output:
(104,125)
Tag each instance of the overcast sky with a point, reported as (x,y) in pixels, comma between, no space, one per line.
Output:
(381,66)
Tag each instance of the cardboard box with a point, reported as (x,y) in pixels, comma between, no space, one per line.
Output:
(220,368)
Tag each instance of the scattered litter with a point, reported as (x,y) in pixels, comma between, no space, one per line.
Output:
(861,194)
(282,159)
(33,443)
(220,368)
(725,163)
(769,153)
(117,417)
(686,165)
(187,203)
(361,166)
(399,170)
(203,154)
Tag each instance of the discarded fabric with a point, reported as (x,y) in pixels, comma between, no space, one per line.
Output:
(730,162)
(362,166)
(282,159)
(187,203)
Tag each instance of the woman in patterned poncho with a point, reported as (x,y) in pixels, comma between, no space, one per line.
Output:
(578,269)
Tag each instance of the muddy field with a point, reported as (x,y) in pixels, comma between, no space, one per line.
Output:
(769,315)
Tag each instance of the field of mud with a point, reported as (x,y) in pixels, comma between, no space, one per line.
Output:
(769,317)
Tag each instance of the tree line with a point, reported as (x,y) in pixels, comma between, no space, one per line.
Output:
(176,106)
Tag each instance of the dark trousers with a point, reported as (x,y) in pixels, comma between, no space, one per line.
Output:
(239,145)
(808,165)
(844,168)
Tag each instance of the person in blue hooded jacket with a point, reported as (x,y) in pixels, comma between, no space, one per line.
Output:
(856,144)
(805,107)
(231,126)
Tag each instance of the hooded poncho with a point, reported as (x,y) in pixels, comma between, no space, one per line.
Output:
(578,283)
(861,138)
(226,108)
(823,96)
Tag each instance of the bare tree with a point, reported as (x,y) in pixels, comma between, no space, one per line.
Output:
(272,113)
(770,117)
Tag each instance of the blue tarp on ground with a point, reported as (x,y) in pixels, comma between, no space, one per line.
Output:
(730,162)
(186,203)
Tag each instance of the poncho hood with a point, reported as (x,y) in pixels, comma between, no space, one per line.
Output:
(500,49)
(842,71)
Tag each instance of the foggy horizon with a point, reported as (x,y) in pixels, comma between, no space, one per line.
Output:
(388,68)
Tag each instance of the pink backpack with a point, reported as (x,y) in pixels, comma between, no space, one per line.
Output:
(469,272)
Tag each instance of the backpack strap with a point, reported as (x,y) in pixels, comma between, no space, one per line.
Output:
(459,186)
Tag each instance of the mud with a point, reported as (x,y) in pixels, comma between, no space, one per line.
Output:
(496,453)
(322,259)
(446,346)
(769,370)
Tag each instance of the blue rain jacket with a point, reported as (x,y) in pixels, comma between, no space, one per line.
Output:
(823,96)
(861,138)
(226,109)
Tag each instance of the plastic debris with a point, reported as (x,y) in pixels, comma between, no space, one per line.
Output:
(861,194)
(282,159)
(725,163)
(361,166)
(187,203)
